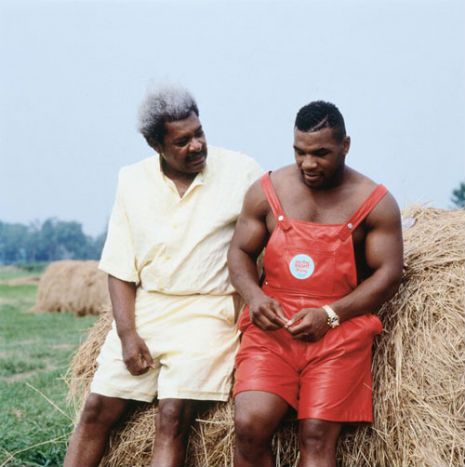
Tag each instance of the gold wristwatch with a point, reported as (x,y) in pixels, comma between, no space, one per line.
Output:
(333,318)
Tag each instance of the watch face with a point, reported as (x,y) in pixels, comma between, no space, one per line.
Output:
(333,321)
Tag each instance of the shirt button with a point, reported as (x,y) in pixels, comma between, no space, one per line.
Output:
(280,218)
(349,225)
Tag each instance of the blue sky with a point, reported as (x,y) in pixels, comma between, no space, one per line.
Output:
(73,74)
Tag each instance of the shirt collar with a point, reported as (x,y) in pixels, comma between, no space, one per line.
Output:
(199,179)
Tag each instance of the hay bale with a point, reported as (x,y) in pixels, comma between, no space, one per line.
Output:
(419,387)
(32,280)
(76,286)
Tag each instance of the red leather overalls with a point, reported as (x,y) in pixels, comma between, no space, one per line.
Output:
(308,265)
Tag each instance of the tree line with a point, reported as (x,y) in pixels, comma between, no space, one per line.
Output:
(54,239)
(458,196)
(50,240)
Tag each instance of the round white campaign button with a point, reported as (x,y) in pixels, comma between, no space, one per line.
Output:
(301,266)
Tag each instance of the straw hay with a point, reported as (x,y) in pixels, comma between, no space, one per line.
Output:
(76,286)
(32,280)
(419,386)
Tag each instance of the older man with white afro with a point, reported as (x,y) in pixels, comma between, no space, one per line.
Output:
(174,335)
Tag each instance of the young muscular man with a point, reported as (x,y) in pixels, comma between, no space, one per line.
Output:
(333,257)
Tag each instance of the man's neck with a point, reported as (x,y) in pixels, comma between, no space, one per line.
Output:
(181,180)
(337,181)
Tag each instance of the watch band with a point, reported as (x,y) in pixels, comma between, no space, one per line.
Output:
(333,318)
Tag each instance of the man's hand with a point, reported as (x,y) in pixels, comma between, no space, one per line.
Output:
(309,324)
(266,313)
(136,355)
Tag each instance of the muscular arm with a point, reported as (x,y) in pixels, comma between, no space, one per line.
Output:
(136,355)
(383,255)
(247,243)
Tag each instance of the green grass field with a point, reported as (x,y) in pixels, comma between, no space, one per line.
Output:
(35,350)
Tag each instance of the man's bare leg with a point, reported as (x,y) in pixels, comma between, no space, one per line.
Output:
(88,442)
(257,416)
(318,441)
(173,421)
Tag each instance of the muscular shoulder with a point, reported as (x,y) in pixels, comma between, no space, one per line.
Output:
(255,202)
(284,175)
(386,212)
(359,184)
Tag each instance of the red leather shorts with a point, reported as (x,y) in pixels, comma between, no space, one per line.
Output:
(328,380)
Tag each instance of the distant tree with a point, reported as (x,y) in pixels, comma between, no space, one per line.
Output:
(63,240)
(13,242)
(458,196)
(97,244)
(48,241)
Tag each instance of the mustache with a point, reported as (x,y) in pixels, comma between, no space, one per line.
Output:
(196,155)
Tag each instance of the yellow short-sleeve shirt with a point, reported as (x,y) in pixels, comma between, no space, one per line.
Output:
(174,245)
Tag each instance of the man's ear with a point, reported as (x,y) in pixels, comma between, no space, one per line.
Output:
(155,145)
(346,145)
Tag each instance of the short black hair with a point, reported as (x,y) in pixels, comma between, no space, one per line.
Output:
(318,115)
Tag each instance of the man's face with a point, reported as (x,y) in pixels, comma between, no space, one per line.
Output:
(319,156)
(184,147)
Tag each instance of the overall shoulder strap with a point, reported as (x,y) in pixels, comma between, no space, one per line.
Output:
(367,206)
(273,200)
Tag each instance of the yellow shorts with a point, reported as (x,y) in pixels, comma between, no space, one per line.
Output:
(193,341)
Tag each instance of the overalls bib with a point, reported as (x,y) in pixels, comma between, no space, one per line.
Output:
(308,265)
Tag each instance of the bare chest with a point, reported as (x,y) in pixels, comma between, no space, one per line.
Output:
(329,210)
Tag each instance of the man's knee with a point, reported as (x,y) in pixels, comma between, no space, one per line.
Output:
(318,437)
(256,418)
(101,411)
(174,417)
(249,429)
